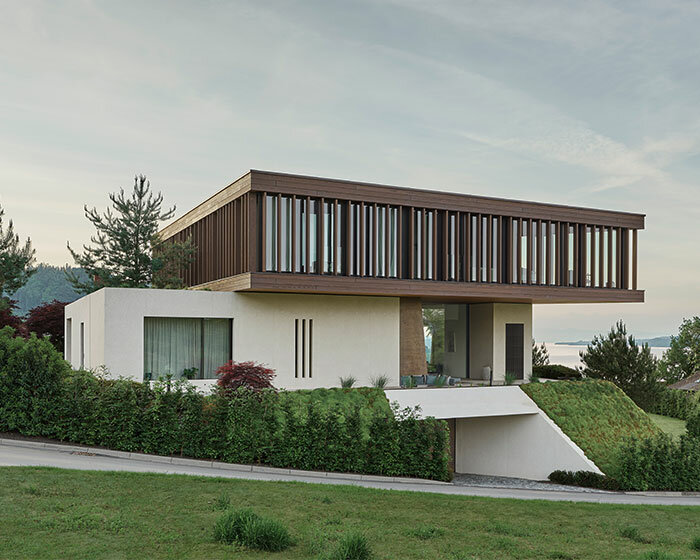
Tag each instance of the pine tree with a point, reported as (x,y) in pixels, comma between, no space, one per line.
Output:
(16,259)
(540,355)
(122,251)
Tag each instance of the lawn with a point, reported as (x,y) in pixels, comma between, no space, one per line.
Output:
(595,414)
(51,513)
(672,426)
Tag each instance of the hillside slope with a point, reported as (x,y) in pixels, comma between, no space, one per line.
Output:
(595,414)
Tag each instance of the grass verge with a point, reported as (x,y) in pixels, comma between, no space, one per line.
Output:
(52,513)
(672,426)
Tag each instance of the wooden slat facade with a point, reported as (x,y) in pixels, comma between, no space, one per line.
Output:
(276,224)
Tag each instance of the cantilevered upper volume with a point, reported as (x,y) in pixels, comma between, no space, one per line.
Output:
(276,232)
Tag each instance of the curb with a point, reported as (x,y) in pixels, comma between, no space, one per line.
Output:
(203,463)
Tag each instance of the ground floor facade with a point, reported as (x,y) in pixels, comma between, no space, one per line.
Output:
(309,340)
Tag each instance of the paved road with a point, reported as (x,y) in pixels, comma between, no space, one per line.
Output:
(11,455)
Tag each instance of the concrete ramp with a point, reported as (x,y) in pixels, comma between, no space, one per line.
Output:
(498,431)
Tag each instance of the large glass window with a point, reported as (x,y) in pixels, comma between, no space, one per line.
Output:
(185,347)
(271,233)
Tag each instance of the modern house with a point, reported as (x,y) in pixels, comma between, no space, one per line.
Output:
(322,278)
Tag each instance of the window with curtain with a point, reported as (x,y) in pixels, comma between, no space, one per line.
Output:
(177,346)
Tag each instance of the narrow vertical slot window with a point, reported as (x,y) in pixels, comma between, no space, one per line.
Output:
(82,345)
(303,346)
(69,340)
(311,346)
(296,347)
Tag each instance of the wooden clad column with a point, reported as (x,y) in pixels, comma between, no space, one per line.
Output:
(411,339)
(634,259)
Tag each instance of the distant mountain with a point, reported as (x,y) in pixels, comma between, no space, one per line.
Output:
(46,284)
(659,342)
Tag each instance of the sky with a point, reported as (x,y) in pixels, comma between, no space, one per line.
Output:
(584,103)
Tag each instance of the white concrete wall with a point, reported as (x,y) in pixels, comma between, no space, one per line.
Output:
(498,431)
(487,337)
(504,313)
(356,336)
(524,446)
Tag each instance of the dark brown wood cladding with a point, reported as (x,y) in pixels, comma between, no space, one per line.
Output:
(373,231)
(222,241)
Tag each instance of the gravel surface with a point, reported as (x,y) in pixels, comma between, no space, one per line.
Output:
(485,481)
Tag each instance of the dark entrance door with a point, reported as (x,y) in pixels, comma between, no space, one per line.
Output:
(515,349)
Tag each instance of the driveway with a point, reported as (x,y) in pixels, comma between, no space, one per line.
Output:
(22,453)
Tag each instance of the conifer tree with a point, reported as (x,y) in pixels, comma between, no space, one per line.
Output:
(126,251)
(16,259)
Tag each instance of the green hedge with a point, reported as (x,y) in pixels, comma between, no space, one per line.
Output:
(555,371)
(660,463)
(673,403)
(587,479)
(343,430)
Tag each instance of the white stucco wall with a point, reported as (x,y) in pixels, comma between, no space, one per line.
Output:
(356,336)
(487,337)
(498,431)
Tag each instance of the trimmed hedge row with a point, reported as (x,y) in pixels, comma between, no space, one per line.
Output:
(555,371)
(673,403)
(41,396)
(587,479)
(660,463)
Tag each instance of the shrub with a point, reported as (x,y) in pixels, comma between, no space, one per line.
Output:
(693,423)
(672,402)
(695,544)
(660,463)
(347,382)
(616,357)
(586,479)
(353,546)
(380,381)
(249,375)
(48,319)
(633,534)
(246,528)
(555,371)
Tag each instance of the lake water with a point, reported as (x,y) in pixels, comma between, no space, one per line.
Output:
(567,354)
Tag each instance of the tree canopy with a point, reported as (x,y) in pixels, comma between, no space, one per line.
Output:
(126,250)
(540,354)
(683,355)
(618,358)
(16,259)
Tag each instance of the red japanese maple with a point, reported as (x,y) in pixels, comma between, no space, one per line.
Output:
(250,375)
